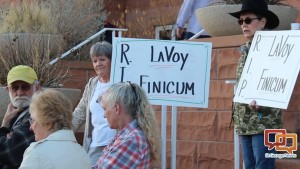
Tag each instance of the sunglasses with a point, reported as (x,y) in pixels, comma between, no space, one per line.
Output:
(247,20)
(24,87)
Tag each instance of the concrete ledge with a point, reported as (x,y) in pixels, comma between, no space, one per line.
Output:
(224,41)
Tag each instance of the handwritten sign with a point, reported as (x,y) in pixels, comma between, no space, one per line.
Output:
(271,69)
(171,72)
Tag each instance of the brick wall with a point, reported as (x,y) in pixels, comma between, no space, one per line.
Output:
(80,72)
(141,17)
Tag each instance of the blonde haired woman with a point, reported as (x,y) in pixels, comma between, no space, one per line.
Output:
(55,146)
(137,144)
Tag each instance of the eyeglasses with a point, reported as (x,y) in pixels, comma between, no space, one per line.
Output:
(23,87)
(247,20)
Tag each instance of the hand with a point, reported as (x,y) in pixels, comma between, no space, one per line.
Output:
(179,33)
(11,112)
(253,106)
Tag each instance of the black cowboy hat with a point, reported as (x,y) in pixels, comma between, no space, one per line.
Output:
(259,7)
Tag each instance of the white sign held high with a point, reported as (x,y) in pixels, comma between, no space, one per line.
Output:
(171,72)
(271,69)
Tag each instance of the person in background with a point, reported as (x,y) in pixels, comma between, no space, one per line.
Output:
(15,135)
(187,15)
(97,133)
(137,145)
(108,34)
(55,146)
(251,120)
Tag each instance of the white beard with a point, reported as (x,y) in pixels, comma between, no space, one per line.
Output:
(20,102)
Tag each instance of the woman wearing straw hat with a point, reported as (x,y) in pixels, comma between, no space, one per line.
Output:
(251,120)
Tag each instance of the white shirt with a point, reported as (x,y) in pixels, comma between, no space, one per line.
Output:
(187,14)
(102,134)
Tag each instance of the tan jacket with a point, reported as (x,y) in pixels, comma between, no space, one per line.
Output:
(82,112)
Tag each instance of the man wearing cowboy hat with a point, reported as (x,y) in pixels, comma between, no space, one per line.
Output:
(251,120)
(15,133)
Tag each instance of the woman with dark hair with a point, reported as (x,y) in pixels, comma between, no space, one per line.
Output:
(251,120)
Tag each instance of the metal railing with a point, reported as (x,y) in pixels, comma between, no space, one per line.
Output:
(119,30)
(197,35)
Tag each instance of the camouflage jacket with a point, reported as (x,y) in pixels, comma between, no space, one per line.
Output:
(249,122)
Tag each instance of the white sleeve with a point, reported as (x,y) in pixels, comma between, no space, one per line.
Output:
(34,160)
(185,12)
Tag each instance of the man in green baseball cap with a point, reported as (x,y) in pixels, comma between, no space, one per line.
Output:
(15,133)
(21,73)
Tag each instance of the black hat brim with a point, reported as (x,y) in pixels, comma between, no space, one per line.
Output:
(272,19)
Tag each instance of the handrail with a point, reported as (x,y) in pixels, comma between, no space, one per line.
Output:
(197,35)
(87,41)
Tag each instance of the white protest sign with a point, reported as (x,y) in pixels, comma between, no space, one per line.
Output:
(174,73)
(271,69)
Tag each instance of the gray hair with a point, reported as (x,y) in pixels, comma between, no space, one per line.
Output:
(135,102)
(101,49)
(129,95)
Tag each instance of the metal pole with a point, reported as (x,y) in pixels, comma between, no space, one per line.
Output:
(83,43)
(235,136)
(197,34)
(173,137)
(163,136)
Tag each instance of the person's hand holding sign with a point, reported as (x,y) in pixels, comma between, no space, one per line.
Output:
(253,106)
